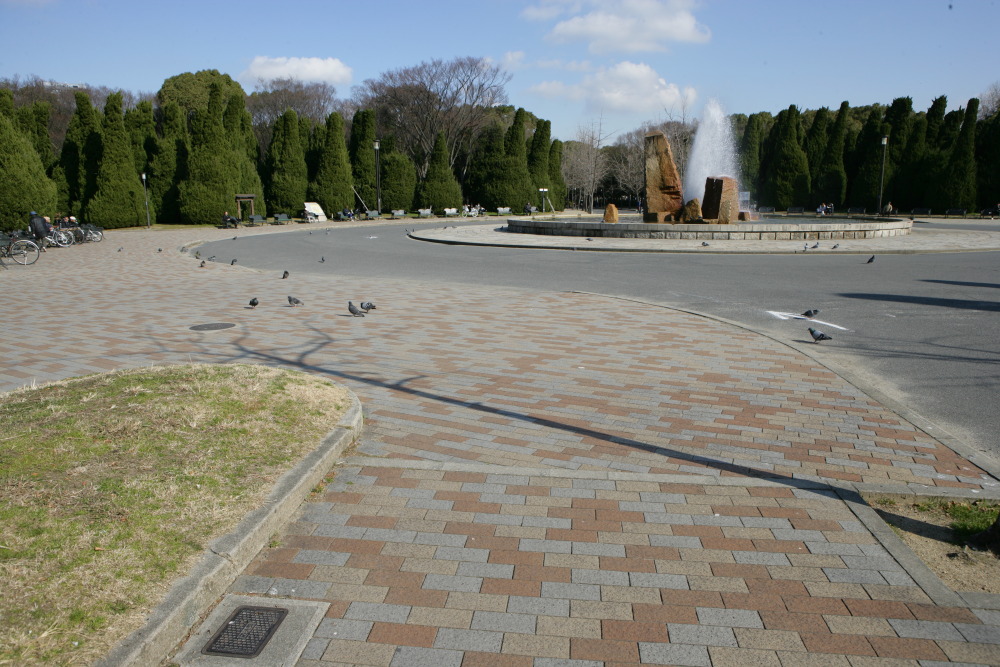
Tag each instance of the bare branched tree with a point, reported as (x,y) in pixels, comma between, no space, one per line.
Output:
(627,164)
(585,164)
(989,101)
(314,100)
(416,103)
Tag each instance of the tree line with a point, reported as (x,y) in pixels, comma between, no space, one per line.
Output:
(446,138)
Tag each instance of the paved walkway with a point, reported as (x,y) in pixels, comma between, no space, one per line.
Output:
(543,478)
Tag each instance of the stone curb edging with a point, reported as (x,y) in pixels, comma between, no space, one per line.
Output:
(191,597)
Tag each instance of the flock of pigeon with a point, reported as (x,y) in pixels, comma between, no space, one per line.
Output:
(355,311)
(816,334)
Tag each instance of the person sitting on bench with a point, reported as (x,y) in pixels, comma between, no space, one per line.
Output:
(229,221)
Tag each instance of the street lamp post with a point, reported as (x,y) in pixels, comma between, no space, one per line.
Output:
(542,194)
(881,180)
(378,177)
(146,197)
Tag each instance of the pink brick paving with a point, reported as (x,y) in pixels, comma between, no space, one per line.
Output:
(487,564)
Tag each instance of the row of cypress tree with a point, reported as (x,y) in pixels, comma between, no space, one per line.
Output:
(198,150)
(934,159)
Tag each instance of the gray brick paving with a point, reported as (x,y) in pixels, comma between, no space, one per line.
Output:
(517,604)
(503,622)
(469,640)
(552,589)
(703,635)
(368,611)
(344,628)
(674,654)
(925,629)
(419,656)
(732,618)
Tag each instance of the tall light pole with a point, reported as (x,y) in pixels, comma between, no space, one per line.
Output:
(146,197)
(881,180)
(378,177)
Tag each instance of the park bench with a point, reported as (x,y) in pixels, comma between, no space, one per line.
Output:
(959,212)
(765,209)
(424,212)
(373,215)
(398,213)
(990,212)
(504,210)
(796,210)
(856,210)
(255,220)
(450,212)
(280,219)
(920,211)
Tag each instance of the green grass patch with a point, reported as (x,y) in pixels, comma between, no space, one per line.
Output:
(968,518)
(112,485)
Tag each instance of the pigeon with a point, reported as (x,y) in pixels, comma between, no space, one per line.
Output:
(254,302)
(805,247)
(368,305)
(197,255)
(232,263)
(704,243)
(120,249)
(811,313)
(310,233)
(211,258)
(815,245)
(818,335)
(284,275)
(870,260)
(159,250)
(353,310)
(322,259)
(835,246)
(234,238)
(202,265)
(292,301)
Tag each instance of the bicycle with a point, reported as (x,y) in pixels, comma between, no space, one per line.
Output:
(20,250)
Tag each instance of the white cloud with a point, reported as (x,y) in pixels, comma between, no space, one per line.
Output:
(630,26)
(626,87)
(318,70)
(513,60)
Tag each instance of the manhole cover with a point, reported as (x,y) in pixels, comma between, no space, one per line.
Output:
(214,326)
(246,632)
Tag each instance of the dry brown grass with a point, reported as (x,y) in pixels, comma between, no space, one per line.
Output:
(112,485)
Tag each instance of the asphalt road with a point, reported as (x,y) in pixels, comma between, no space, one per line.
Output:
(922,328)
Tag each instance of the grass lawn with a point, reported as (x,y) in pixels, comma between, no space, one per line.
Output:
(112,485)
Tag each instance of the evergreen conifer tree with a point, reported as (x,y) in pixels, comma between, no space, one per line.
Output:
(209,183)
(440,190)
(331,188)
(7,104)
(911,179)
(80,153)
(34,122)
(141,128)
(168,164)
(961,174)
(362,153)
(24,187)
(830,186)
(238,126)
(815,143)
(517,163)
(864,187)
(118,200)
(935,119)
(557,185)
(538,156)
(399,181)
(287,183)
(786,170)
(487,178)
(751,146)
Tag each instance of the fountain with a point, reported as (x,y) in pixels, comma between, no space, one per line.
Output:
(713,153)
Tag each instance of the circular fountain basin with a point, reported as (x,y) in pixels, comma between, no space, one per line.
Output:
(780,228)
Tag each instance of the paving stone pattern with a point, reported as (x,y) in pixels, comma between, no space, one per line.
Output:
(544,478)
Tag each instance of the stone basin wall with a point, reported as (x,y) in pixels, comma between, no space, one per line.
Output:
(845,228)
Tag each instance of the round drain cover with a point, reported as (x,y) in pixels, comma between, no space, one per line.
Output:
(214,326)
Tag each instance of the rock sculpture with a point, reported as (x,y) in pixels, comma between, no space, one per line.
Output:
(722,200)
(611,213)
(664,194)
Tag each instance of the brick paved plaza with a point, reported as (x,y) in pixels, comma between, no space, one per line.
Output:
(543,478)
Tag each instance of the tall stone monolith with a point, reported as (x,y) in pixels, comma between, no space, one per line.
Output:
(664,194)
(722,200)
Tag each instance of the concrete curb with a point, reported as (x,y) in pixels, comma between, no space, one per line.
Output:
(191,597)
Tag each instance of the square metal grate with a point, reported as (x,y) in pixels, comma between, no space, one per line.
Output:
(246,632)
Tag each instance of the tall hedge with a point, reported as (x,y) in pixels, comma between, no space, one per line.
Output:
(961,174)
(487,179)
(24,187)
(830,183)
(521,188)
(209,183)
(331,188)
(557,185)
(538,155)
(786,169)
(118,200)
(399,181)
(286,166)
(243,151)
(864,188)
(440,190)
(168,164)
(80,153)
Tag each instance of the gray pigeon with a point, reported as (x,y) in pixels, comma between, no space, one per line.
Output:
(818,335)
(815,245)
(353,310)
(704,243)
(197,255)
(202,265)
(292,301)
(211,258)
(835,246)
(254,302)
(322,259)
(284,275)
(871,260)
(159,250)
(811,313)
(368,305)
(120,249)
(232,263)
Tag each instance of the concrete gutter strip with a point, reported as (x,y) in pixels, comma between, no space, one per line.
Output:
(191,597)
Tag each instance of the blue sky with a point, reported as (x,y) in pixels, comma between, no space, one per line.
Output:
(576,62)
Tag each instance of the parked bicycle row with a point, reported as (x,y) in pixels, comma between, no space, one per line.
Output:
(25,246)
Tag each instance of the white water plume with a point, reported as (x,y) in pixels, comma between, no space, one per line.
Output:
(713,153)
